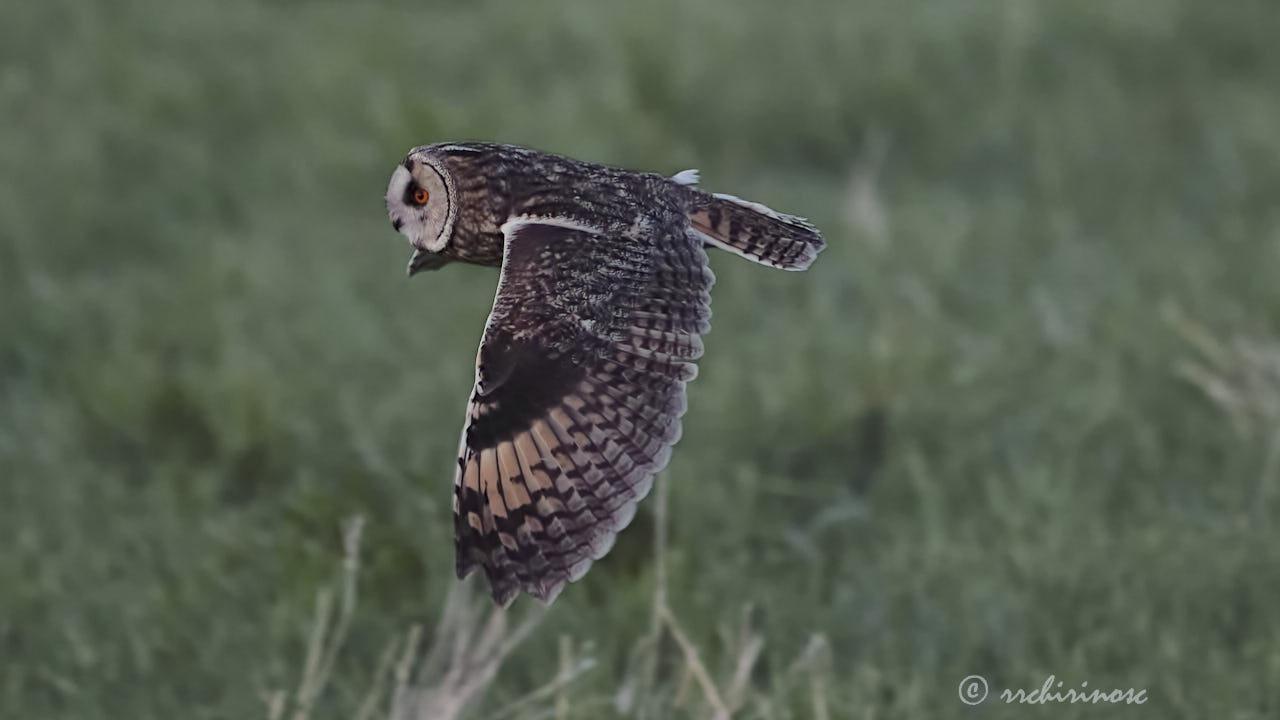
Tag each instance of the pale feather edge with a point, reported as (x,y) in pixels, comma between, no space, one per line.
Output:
(758,260)
(766,210)
(687,177)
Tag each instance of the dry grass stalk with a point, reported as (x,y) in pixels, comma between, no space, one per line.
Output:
(369,705)
(466,653)
(472,640)
(327,635)
(1240,374)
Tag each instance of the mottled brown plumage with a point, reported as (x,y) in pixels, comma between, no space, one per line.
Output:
(580,378)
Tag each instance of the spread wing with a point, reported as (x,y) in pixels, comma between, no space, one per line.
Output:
(580,385)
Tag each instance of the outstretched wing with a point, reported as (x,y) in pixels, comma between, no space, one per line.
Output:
(580,385)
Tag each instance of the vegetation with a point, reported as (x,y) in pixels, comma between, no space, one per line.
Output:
(1021,418)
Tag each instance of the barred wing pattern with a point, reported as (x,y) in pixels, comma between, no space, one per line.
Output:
(580,386)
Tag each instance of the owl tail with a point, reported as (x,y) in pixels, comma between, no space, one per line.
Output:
(757,233)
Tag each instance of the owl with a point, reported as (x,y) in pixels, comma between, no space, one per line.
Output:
(603,296)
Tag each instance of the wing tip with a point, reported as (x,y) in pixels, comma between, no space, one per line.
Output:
(505,586)
(504,594)
(803,262)
(548,592)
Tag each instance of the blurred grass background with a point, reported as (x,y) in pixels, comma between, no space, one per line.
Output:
(958,445)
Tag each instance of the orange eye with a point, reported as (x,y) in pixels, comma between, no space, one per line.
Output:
(420,196)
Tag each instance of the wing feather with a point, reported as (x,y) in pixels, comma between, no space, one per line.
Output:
(580,385)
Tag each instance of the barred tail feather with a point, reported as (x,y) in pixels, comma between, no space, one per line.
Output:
(756,232)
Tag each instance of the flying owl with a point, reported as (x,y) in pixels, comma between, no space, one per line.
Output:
(603,295)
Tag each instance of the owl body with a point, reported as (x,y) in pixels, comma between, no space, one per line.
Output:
(602,299)
(497,182)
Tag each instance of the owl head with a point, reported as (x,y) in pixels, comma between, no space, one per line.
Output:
(421,202)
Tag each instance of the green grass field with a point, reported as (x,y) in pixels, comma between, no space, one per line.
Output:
(1021,418)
